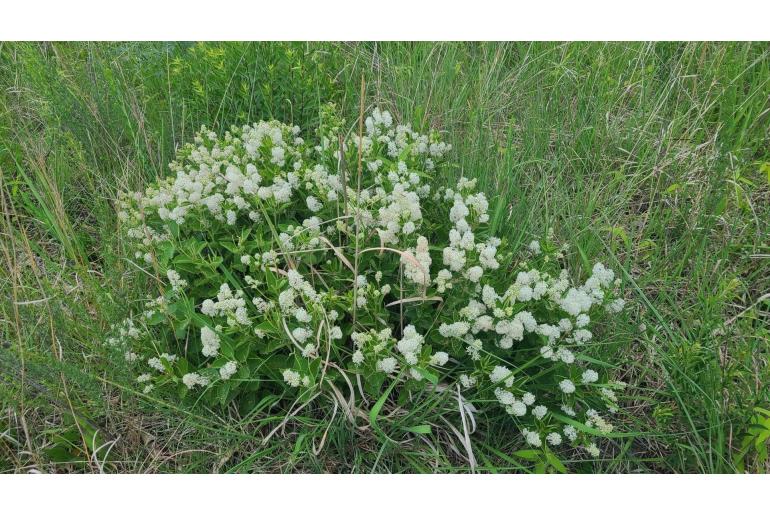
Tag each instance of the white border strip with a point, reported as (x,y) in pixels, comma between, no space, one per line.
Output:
(180,494)
(385,20)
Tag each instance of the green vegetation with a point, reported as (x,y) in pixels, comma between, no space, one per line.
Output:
(654,154)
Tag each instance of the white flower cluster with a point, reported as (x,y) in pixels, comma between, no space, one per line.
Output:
(232,306)
(468,210)
(295,379)
(228,370)
(387,365)
(210,341)
(176,281)
(385,275)
(124,334)
(410,345)
(417,263)
(500,374)
(159,363)
(193,379)
(510,317)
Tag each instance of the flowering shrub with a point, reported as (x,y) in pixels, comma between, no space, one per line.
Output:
(294,268)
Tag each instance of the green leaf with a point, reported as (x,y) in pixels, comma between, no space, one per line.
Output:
(673,188)
(430,376)
(619,232)
(156,318)
(765,167)
(528,454)
(242,352)
(165,252)
(181,329)
(583,258)
(173,228)
(555,462)
(422,429)
(224,390)
(378,407)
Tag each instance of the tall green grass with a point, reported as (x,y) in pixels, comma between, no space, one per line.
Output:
(655,154)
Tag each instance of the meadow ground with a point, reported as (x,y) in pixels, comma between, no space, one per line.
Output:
(652,156)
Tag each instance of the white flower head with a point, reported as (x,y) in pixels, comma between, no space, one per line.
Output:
(387,365)
(210,341)
(227,370)
(590,376)
(292,377)
(194,379)
(567,386)
(439,359)
(501,373)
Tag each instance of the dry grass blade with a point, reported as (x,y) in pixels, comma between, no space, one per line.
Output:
(414,299)
(338,253)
